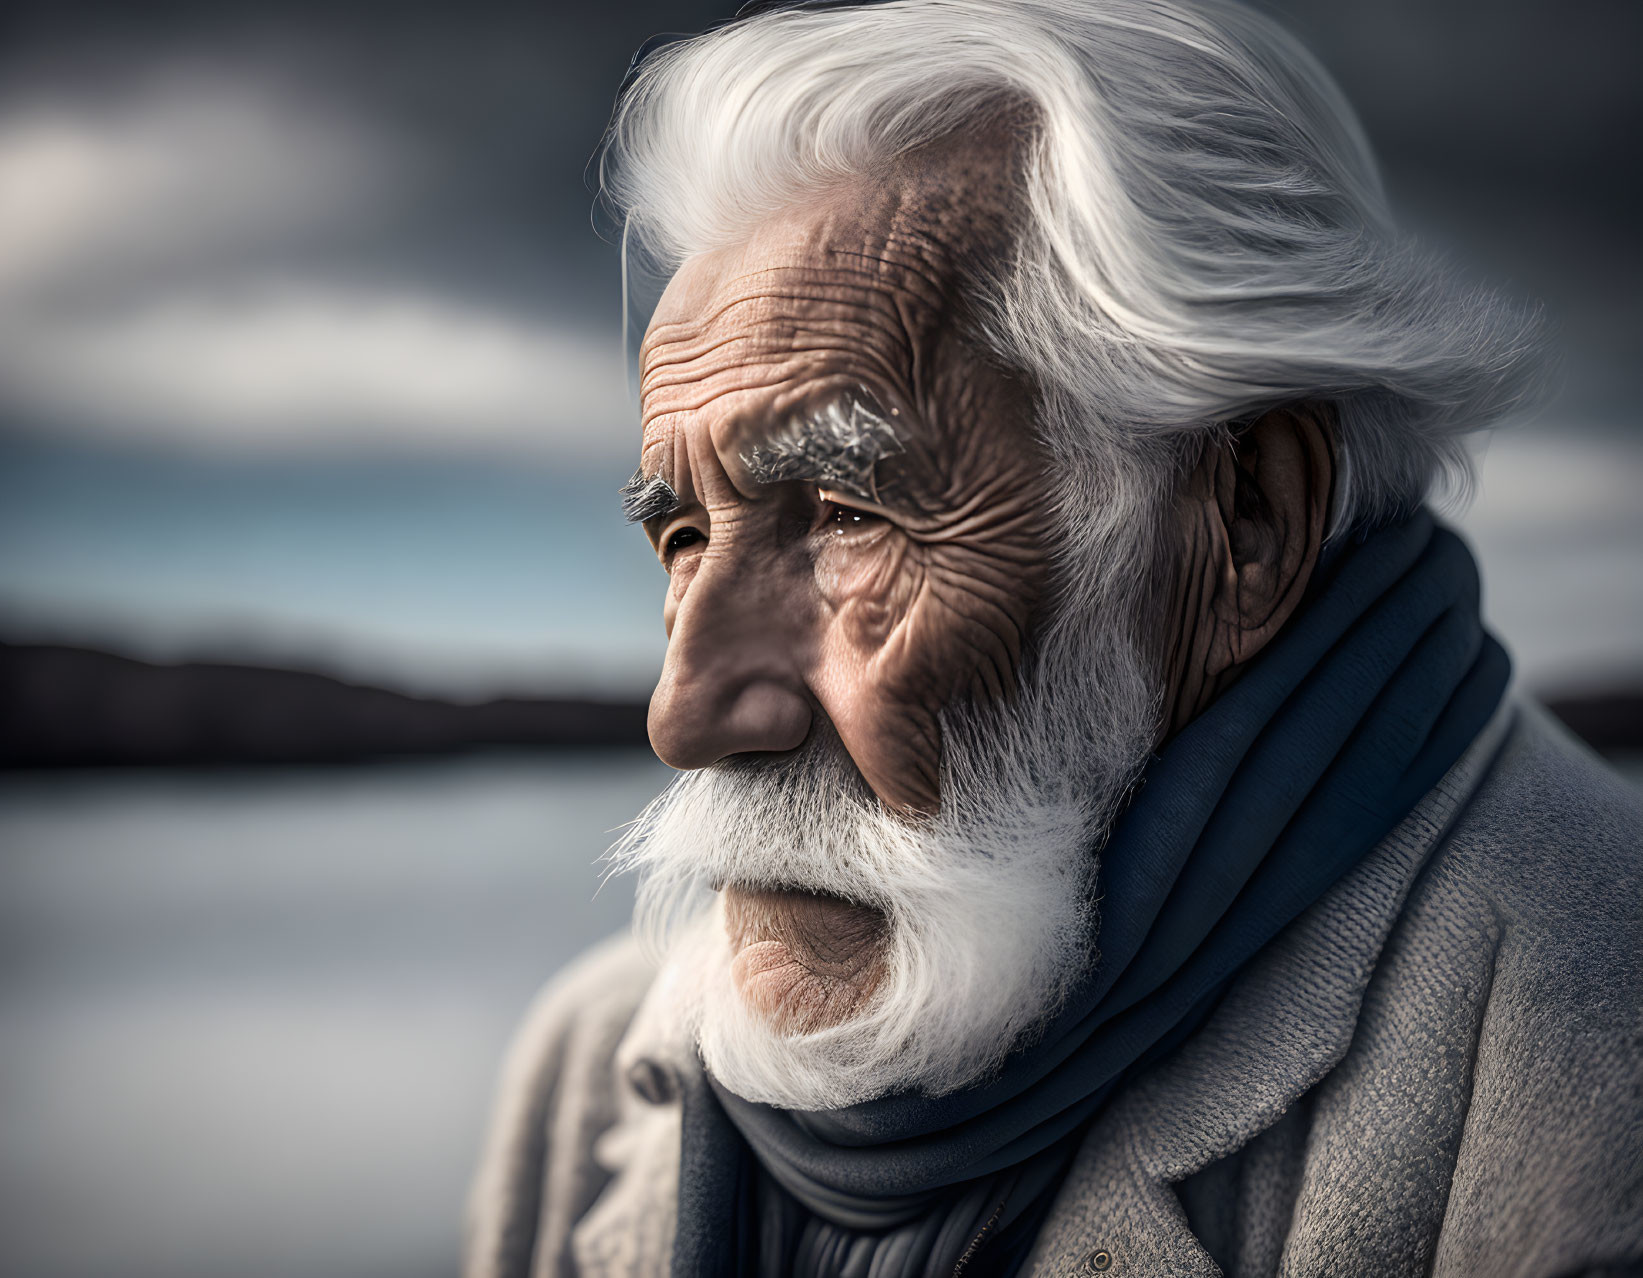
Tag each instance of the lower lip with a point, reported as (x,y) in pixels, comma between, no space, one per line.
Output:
(783,983)
(762,969)
(783,991)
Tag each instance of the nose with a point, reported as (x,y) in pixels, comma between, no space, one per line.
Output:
(732,682)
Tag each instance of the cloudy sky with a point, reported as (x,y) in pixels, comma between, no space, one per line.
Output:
(311,230)
(281,284)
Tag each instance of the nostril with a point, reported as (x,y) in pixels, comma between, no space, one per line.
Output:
(768,718)
(692,726)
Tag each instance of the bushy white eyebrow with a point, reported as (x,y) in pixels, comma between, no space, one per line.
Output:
(646,499)
(837,445)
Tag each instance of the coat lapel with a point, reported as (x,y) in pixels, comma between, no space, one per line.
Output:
(1286,1022)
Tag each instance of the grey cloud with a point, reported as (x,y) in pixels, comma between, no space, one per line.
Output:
(183,172)
(244,164)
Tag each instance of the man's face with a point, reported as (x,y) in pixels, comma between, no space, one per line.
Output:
(859,529)
(893,785)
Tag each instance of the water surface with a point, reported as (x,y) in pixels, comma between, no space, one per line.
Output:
(249,1021)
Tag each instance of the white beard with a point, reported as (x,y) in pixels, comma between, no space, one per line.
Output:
(990,905)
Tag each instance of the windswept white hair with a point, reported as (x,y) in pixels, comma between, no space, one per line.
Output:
(1203,231)
(1201,234)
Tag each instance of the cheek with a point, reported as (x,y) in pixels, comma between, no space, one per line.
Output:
(978,609)
(932,622)
(926,622)
(911,626)
(869,587)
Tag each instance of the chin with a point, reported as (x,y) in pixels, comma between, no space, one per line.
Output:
(933,1003)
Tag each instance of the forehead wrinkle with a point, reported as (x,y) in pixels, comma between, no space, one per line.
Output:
(753,329)
(768,337)
(696,328)
(722,358)
(707,399)
(756,309)
(871,280)
(663,371)
(896,274)
(674,465)
(808,284)
(743,306)
(862,290)
(854,315)
(873,353)
(663,471)
(756,443)
(883,287)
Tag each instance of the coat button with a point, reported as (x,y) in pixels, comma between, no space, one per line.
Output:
(653,1083)
(1098,1262)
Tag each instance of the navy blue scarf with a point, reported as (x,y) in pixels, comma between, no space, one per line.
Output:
(1242,821)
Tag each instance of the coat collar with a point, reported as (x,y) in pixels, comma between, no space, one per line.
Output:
(1285,1022)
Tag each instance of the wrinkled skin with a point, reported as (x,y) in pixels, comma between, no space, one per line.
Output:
(789,600)
(807,961)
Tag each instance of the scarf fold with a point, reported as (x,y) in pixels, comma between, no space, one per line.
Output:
(1243,820)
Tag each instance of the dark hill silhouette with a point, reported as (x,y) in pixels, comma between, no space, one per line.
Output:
(74,707)
(79,707)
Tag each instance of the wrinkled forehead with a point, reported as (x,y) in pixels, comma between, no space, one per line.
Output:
(828,315)
(807,301)
(857,297)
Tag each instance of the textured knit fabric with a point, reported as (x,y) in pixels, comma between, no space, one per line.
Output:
(1246,818)
(1436,1069)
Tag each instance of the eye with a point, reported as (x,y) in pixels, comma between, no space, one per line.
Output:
(842,520)
(681,538)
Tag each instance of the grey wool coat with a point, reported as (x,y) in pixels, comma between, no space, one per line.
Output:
(1438,1069)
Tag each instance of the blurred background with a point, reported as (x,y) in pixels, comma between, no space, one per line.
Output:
(322,646)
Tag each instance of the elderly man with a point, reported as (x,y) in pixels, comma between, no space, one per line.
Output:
(1102,844)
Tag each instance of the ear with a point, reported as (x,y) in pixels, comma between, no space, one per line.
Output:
(1253,513)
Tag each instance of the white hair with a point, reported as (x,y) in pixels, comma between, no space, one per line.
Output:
(1202,229)
(1200,235)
